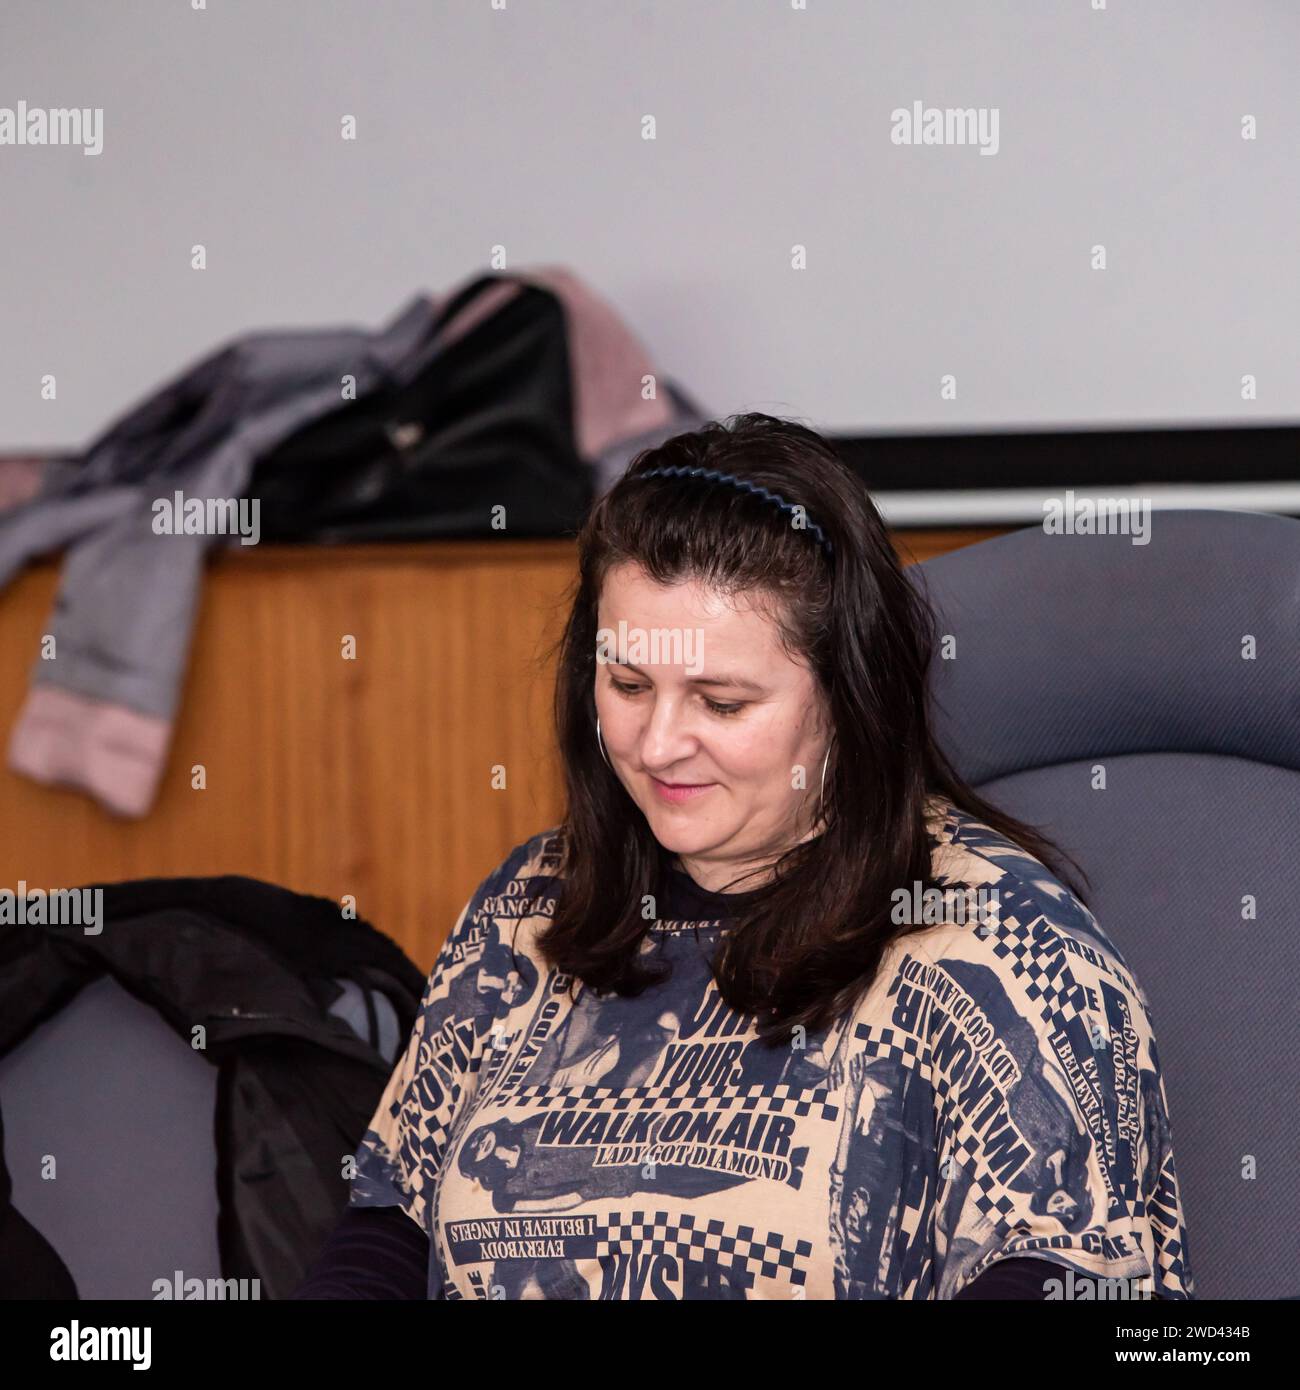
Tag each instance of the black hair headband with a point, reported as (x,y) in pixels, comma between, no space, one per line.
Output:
(712,475)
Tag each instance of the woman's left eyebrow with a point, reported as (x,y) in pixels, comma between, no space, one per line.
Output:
(738,682)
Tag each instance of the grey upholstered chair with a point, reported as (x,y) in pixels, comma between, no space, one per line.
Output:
(130,1123)
(1073,651)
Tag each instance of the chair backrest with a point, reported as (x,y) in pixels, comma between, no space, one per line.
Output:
(1141,705)
(125,1110)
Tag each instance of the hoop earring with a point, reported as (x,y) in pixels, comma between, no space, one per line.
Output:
(600,742)
(821,801)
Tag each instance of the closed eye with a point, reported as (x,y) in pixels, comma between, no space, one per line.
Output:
(715,706)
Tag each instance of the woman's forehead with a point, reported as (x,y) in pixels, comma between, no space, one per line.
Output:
(628,590)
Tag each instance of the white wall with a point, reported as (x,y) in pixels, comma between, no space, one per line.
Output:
(522,126)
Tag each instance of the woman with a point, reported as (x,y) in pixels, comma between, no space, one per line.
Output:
(812,1020)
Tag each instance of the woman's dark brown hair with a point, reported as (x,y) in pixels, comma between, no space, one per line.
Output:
(814,937)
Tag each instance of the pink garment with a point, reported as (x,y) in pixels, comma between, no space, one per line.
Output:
(62,739)
(20,480)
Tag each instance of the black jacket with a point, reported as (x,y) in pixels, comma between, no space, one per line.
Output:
(256,966)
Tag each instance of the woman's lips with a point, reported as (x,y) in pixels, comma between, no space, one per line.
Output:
(670,792)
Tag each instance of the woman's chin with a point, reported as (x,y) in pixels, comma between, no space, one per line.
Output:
(668,828)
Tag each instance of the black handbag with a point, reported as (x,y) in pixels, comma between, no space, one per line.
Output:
(476,440)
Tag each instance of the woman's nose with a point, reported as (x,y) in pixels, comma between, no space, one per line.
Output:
(665,739)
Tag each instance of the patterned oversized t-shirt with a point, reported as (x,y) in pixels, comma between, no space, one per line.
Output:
(996,1093)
